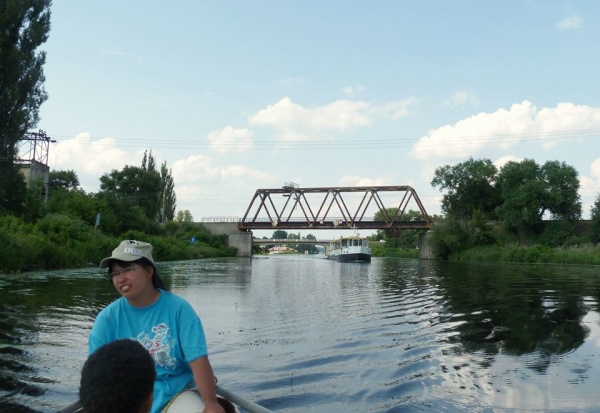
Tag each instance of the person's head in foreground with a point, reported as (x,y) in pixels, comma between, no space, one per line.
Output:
(119,378)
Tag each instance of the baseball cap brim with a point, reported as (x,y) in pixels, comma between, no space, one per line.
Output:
(106,262)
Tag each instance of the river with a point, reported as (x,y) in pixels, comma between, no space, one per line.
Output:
(298,333)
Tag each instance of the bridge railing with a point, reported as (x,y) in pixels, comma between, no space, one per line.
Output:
(221,219)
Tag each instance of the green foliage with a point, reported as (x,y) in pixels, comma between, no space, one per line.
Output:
(407,238)
(384,250)
(135,185)
(449,236)
(167,195)
(470,187)
(529,190)
(67,180)
(55,241)
(557,233)
(595,224)
(279,234)
(184,216)
(24,27)
(13,190)
(580,255)
(34,200)
(561,190)
(62,241)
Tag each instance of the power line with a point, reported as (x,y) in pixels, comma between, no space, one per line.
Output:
(349,144)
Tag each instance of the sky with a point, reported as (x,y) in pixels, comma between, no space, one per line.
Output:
(237,96)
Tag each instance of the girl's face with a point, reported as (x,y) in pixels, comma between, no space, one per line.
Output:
(134,282)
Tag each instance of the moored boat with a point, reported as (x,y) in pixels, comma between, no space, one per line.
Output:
(350,249)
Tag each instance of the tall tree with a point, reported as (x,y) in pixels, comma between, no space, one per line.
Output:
(529,190)
(562,190)
(136,185)
(64,179)
(470,187)
(24,26)
(184,216)
(168,199)
(523,195)
(595,218)
(279,234)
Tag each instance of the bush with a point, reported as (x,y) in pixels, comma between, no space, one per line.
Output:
(556,234)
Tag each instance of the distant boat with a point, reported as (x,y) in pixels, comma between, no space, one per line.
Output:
(350,249)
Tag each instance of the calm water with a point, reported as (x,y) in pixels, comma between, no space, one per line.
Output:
(300,333)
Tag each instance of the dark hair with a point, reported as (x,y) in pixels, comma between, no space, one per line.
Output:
(157,282)
(118,378)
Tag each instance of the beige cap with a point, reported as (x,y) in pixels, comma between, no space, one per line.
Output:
(129,250)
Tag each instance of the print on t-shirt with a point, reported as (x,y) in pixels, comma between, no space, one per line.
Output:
(159,346)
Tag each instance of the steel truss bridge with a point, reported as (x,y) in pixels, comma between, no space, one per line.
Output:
(294,208)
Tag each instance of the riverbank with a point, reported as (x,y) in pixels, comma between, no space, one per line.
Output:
(61,242)
(380,250)
(585,254)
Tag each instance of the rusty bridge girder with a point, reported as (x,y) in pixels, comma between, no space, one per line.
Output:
(292,207)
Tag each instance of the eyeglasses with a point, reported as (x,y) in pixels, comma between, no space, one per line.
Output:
(127,270)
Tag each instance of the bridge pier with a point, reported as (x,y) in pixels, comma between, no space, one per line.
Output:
(426,251)
(242,241)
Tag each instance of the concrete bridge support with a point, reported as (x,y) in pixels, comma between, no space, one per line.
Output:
(426,251)
(236,238)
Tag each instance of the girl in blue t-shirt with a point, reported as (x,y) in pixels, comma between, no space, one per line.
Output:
(165,324)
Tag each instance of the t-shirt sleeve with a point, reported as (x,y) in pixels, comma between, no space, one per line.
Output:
(98,336)
(191,335)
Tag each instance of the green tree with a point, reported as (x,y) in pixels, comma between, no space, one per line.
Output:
(279,234)
(407,238)
(595,218)
(470,187)
(523,195)
(562,190)
(167,194)
(64,179)
(24,27)
(529,190)
(184,216)
(140,185)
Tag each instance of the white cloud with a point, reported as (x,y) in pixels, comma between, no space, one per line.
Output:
(500,162)
(207,189)
(338,115)
(351,90)
(462,97)
(199,169)
(90,159)
(570,22)
(294,122)
(230,139)
(505,128)
(194,168)
(393,110)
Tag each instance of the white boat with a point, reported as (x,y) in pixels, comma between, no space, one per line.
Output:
(350,249)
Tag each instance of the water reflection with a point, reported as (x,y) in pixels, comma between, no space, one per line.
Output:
(298,333)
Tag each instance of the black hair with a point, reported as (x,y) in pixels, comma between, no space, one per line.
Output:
(157,282)
(117,378)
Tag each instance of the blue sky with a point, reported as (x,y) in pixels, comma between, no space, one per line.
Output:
(237,96)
